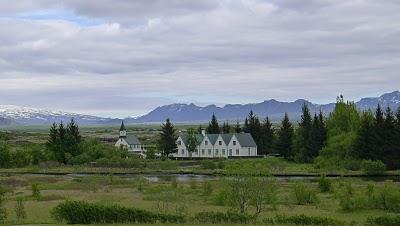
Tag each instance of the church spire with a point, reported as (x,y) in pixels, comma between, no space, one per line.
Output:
(122,130)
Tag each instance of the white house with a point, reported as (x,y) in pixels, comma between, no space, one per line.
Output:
(129,141)
(218,146)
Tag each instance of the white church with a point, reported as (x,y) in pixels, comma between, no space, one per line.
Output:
(129,142)
(218,146)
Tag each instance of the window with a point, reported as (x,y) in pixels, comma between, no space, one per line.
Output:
(237,151)
(206,142)
(230,152)
(183,151)
(223,151)
(202,151)
(216,151)
(209,151)
(234,142)
(220,142)
(179,142)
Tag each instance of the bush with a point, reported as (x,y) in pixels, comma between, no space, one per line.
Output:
(388,197)
(384,221)
(371,167)
(20,212)
(222,218)
(303,195)
(324,184)
(304,220)
(208,164)
(35,191)
(81,212)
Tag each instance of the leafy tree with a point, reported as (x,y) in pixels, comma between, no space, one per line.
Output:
(284,143)
(213,127)
(192,141)
(167,140)
(268,136)
(342,126)
(5,155)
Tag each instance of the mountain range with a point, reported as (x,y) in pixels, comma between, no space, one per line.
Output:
(12,115)
(272,108)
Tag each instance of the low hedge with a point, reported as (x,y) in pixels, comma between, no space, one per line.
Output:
(220,217)
(304,220)
(81,212)
(384,221)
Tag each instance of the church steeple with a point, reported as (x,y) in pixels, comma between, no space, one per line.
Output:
(122,130)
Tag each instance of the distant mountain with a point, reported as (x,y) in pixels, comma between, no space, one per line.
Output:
(32,116)
(5,121)
(271,108)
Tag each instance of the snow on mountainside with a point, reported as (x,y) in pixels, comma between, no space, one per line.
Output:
(27,115)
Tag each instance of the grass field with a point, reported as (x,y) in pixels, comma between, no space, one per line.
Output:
(166,195)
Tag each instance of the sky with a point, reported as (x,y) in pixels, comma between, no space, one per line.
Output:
(123,58)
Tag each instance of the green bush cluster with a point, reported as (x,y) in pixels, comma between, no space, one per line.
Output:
(303,195)
(324,184)
(371,167)
(211,165)
(383,221)
(81,212)
(222,218)
(303,220)
(385,197)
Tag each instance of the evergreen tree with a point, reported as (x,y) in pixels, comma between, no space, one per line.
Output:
(268,136)
(303,144)
(60,153)
(53,140)
(284,141)
(318,134)
(238,129)
(167,140)
(378,136)
(192,141)
(390,149)
(213,127)
(363,145)
(73,139)
(226,128)
(252,125)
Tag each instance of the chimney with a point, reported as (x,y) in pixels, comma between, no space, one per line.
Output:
(203,132)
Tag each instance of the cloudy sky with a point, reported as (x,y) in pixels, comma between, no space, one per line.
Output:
(123,57)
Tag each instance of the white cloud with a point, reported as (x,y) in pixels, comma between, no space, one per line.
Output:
(174,51)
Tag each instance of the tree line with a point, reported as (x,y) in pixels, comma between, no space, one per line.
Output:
(340,140)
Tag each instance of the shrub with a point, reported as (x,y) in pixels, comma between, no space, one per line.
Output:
(35,191)
(81,212)
(384,221)
(20,212)
(222,218)
(324,184)
(208,164)
(303,220)
(371,167)
(3,211)
(303,195)
(388,197)
(207,188)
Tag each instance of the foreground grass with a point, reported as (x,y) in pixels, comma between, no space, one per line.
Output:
(165,195)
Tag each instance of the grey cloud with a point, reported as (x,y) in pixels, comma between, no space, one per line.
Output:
(250,49)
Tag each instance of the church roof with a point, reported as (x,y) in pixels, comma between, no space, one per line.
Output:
(131,139)
(244,139)
(122,128)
